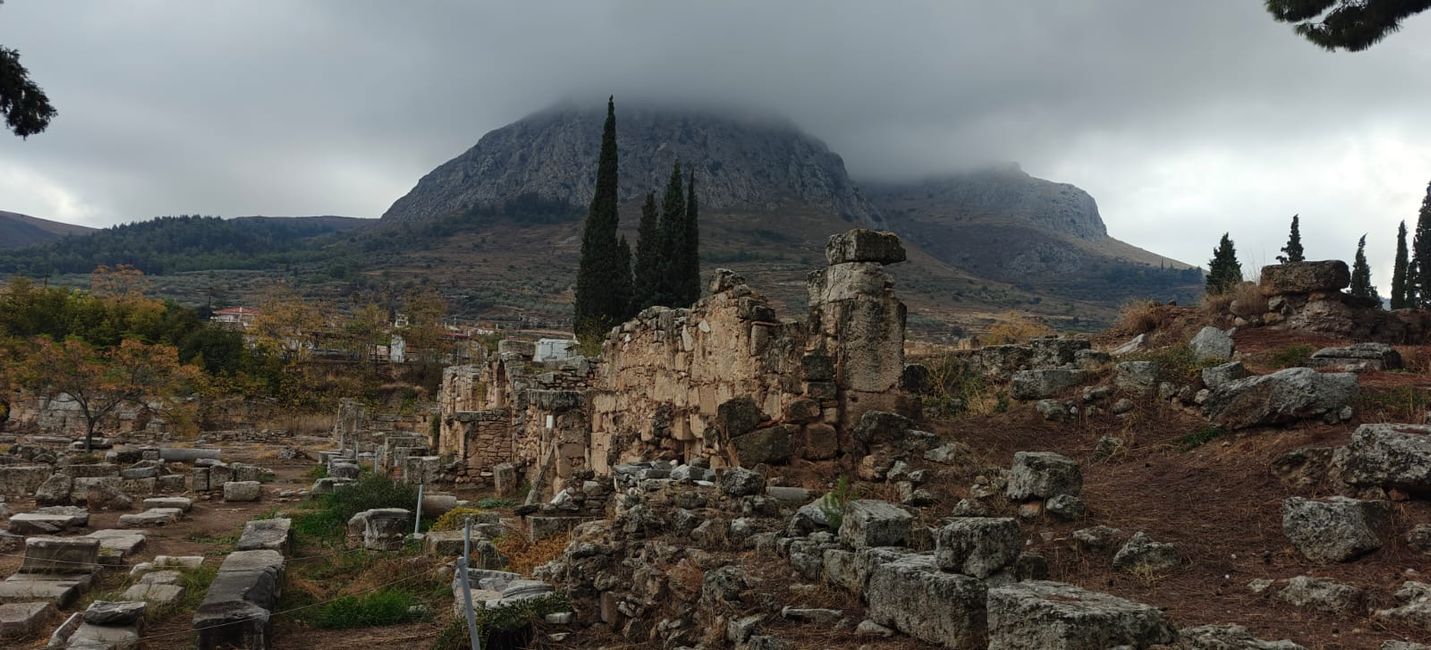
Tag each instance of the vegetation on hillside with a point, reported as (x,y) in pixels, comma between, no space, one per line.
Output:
(182,243)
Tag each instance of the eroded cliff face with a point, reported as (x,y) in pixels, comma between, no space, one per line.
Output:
(544,163)
(1006,195)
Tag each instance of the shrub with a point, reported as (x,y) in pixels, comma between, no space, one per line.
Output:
(1141,317)
(1247,300)
(329,518)
(832,505)
(1013,327)
(524,553)
(1176,363)
(1201,437)
(386,607)
(453,519)
(503,628)
(955,388)
(1293,356)
(495,503)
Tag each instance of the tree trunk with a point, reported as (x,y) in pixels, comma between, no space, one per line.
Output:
(89,434)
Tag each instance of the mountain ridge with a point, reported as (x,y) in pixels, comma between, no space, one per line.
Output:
(21,230)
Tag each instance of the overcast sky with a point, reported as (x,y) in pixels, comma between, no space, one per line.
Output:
(1184,119)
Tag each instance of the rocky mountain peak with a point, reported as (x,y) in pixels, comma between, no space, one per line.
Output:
(742,163)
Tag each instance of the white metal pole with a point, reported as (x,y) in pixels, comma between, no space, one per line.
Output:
(417,515)
(467,584)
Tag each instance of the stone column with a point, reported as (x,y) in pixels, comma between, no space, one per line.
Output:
(859,323)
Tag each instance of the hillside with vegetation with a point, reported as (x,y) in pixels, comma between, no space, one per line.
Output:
(185,243)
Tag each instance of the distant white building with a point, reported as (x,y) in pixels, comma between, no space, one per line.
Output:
(235,317)
(554,350)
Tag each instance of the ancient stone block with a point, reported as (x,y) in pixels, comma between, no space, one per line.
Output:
(1305,277)
(1043,475)
(978,546)
(1045,383)
(266,534)
(243,491)
(1279,398)
(60,555)
(912,595)
(1335,529)
(1357,357)
(861,245)
(1218,375)
(868,522)
(235,611)
(1057,616)
(23,620)
(1389,456)
(768,445)
(1212,344)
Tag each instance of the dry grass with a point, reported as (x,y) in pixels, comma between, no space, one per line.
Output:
(1141,317)
(1013,327)
(525,554)
(1244,299)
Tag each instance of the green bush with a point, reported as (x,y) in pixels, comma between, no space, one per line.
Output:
(386,607)
(1293,356)
(495,503)
(1177,364)
(503,628)
(833,504)
(329,518)
(1201,437)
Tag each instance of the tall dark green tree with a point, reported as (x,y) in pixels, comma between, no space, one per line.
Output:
(599,305)
(673,238)
(648,255)
(1292,252)
(625,286)
(1352,25)
(1361,285)
(691,247)
(1400,290)
(1224,271)
(1419,270)
(23,104)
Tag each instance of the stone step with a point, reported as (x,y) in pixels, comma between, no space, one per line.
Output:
(23,620)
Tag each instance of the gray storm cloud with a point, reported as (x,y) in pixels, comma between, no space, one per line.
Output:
(1184,119)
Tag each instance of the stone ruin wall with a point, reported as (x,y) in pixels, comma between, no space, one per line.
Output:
(1308,296)
(667,374)
(668,383)
(667,371)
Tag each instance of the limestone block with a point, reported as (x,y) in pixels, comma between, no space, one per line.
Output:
(1056,616)
(912,595)
(241,491)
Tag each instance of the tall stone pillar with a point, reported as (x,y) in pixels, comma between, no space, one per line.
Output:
(859,323)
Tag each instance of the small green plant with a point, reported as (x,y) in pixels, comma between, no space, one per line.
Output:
(454,519)
(833,504)
(495,503)
(328,520)
(1176,363)
(1201,437)
(503,627)
(318,471)
(385,607)
(1292,356)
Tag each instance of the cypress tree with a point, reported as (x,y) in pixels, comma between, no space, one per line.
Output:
(648,255)
(1400,298)
(673,237)
(1224,271)
(598,306)
(691,246)
(1418,272)
(1293,249)
(624,287)
(1361,286)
